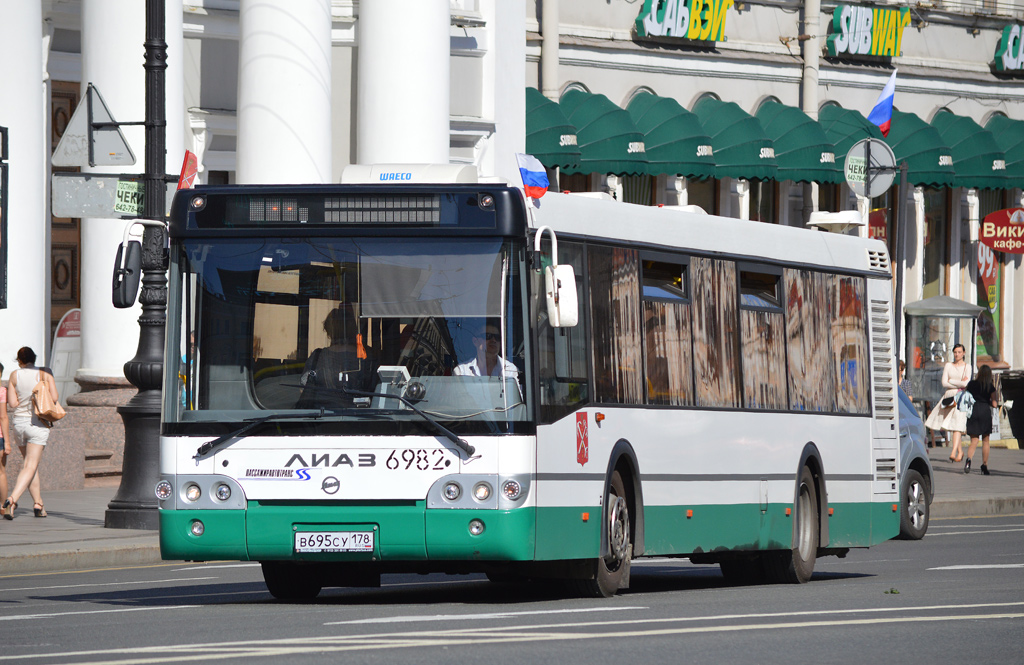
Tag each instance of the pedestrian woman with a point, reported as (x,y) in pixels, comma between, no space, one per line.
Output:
(980,423)
(32,432)
(5,438)
(946,416)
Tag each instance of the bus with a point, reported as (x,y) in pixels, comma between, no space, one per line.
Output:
(365,379)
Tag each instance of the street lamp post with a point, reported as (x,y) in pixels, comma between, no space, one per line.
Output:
(135,506)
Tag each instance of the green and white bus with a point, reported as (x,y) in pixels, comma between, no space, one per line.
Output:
(392,378)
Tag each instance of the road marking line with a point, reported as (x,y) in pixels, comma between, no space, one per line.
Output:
(50,615)
(970,533)
(279,648)
(96,584)
(478,617)
(89,570)
(211,567)
(979,566)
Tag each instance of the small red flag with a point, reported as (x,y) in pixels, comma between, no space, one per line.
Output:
(189,169)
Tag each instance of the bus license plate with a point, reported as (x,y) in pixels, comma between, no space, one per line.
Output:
(334,541)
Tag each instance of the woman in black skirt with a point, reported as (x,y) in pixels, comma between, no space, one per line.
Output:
(980,423)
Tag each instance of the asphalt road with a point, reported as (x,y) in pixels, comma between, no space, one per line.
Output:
(956,596)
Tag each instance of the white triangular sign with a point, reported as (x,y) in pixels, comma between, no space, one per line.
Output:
(109,147)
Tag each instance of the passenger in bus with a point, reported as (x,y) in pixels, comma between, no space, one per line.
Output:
(487,362)
(343,365)
(946,416)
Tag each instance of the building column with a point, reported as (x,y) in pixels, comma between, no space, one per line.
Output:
(403,89)
(25,322)
(113,32)
(284,91)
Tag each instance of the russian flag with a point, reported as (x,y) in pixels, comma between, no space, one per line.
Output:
(535,178)
(881,115)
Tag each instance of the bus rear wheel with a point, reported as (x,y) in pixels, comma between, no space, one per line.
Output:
(796,566)
(611,570)
(287,581)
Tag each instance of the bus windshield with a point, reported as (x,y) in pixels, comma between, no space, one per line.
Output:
(341,327)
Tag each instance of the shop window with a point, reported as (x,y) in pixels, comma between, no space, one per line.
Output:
(638,189)
(764,201)
(703,193)
(989,283)
(936,241)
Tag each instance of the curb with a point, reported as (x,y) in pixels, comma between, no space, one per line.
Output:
(975,507)
(47,560)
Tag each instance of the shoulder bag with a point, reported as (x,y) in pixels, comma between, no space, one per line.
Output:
(43,405)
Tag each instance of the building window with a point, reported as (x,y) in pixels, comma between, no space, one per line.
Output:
(936,241)
(764,197)
(703,193)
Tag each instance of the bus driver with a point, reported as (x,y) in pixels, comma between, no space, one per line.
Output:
(487,362)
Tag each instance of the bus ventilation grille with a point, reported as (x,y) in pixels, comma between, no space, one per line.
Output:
(878,261)
(882,360)
(885,474)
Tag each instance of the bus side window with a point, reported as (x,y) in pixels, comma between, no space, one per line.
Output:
(562,352)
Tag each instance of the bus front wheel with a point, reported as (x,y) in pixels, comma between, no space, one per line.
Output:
(611,570)
(796,566)
(287,581)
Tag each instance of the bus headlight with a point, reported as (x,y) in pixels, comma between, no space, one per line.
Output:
(223,492)
(163,490)
(481,491)
(192,492)
(511,489)
(452,491)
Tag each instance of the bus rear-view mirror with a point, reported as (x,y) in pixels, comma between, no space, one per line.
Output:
(127,273)
(560,291)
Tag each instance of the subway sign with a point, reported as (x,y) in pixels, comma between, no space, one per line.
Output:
(696,20)
(867,31)
(1010,51)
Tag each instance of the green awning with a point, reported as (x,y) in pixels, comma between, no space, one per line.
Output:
(802,151)
(550,137)
(674,140)
(844,127)
(978,160)
(1009,135)
(609,142)
(929,159)
(742,150)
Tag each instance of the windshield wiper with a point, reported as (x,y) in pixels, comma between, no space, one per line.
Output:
(462,444)
(251,425)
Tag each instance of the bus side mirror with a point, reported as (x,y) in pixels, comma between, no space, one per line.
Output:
(127,273)
(560,291)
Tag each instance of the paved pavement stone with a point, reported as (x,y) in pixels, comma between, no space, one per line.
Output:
(73,536)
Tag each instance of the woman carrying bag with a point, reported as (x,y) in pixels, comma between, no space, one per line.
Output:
(946,415)
(32,432)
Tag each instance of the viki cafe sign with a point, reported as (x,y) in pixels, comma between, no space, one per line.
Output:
(867,31)
(698,20)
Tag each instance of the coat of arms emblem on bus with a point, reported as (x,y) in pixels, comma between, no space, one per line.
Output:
(582,447)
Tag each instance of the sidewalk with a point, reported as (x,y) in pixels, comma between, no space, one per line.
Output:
(73,536)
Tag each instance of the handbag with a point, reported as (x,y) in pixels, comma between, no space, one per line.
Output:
(965,402)
(45,408)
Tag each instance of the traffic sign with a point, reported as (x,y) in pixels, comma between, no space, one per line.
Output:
(870,167)
(92,137)
(102,195)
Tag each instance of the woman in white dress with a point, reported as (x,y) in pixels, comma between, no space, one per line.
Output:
(955,376)
(32,432)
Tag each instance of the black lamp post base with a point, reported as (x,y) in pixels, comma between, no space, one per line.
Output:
(135,505)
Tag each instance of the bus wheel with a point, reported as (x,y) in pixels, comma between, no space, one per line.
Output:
(612,569)
(795,566)
(286,581)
